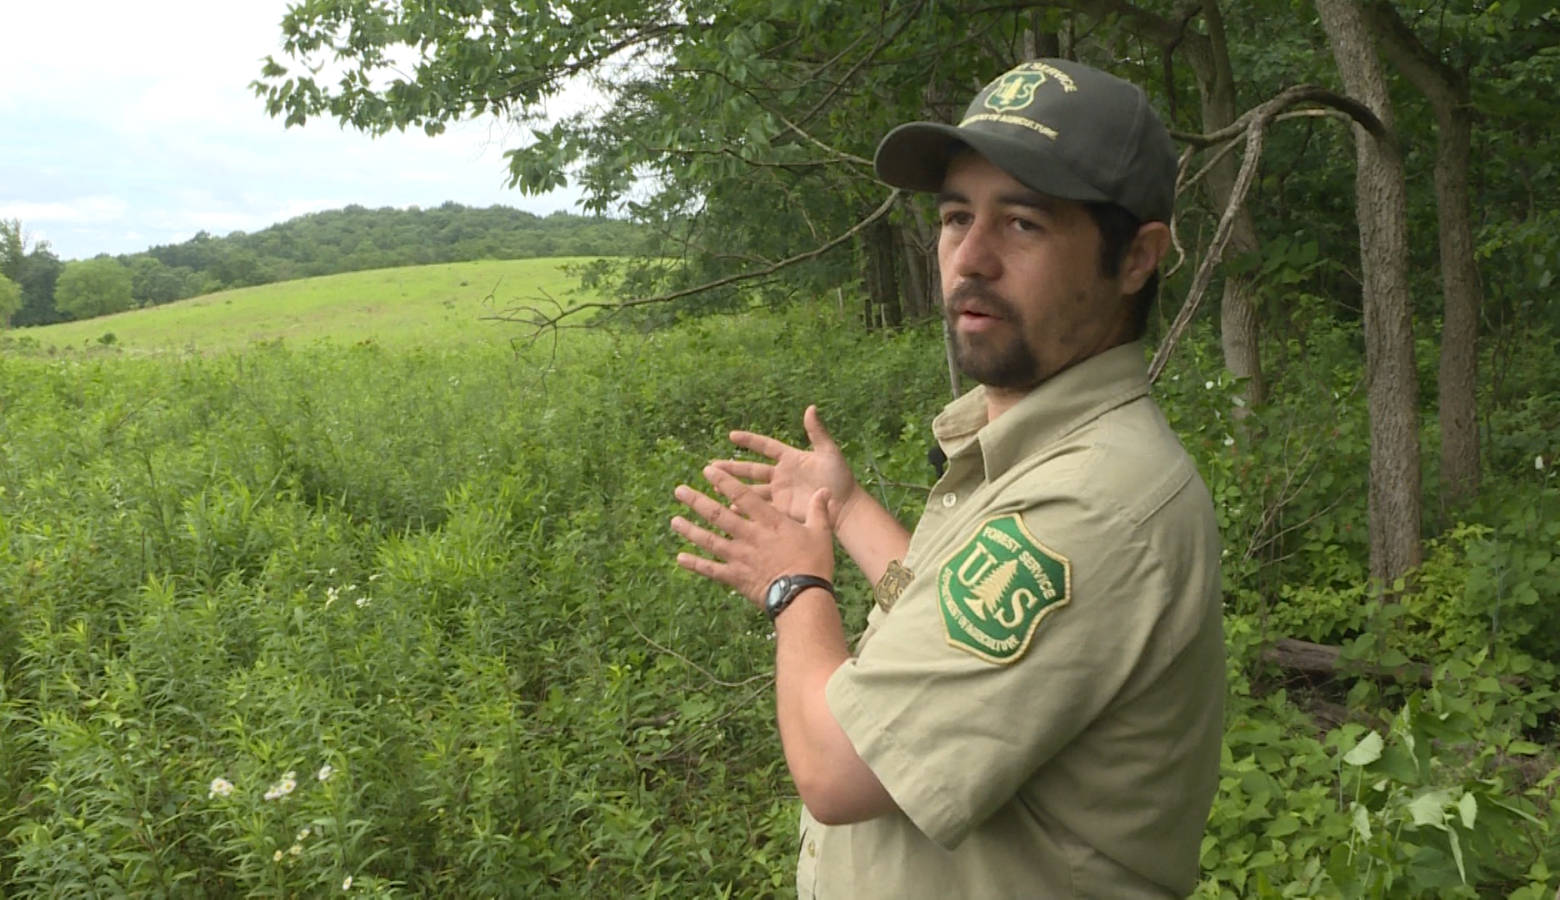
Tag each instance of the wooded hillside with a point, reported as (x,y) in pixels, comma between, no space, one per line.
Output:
(324,243)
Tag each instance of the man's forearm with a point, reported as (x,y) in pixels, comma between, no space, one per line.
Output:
(835,784)
(870,534)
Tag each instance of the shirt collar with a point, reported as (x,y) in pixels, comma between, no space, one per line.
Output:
(1063,403)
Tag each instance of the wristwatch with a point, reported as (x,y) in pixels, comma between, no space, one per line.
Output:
(787,587)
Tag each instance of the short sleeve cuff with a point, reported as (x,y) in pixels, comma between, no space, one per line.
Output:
(919,794)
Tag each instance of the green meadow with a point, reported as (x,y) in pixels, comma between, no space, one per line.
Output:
(441,304)
(388,607)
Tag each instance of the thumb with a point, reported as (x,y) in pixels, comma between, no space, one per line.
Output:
(818,510)
(816,433)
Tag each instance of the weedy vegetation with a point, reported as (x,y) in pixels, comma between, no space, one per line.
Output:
(402,618)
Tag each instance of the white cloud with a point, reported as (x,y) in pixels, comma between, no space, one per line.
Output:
(94,209)
(139,128)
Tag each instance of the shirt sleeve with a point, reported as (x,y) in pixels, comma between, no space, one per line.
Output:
(951,734)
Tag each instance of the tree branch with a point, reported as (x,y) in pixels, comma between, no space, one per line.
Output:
(542,321)
(1254,123)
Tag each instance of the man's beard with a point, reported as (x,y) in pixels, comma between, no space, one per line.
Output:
(998,358)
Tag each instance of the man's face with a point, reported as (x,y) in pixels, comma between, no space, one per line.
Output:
(1021,280)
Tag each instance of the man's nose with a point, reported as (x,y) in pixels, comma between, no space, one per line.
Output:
(975,255)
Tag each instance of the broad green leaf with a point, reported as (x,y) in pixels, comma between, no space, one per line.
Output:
(1468,807)
(1523,748)
(1361,821)
(1283,825)
(1429,808)
(1367,751)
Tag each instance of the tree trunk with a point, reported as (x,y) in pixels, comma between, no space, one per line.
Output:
(882,257)
(913,271)
(1238,332)
(1209,57)
(1392,391)
(1447,91)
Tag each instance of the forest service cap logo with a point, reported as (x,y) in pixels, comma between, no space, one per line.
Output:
(994,590)
(1016,89)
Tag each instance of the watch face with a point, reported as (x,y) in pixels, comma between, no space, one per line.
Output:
(777,591)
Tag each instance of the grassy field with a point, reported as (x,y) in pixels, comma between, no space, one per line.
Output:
(326,617)
(424,305)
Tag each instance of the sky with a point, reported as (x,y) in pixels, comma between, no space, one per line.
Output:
(125,125)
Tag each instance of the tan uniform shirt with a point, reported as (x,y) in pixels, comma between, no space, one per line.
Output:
(1044,699)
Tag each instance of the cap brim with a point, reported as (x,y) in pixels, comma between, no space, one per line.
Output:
(915,156)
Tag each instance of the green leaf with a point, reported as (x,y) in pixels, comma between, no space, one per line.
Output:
(1468,807)
(1457,855)
(1429,808)
(1361,821)
(1523,748)
(1284,825)
(1367,751)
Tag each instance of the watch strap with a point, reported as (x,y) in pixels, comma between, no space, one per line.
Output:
(792,587)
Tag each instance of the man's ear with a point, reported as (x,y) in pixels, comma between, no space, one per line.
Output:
(1148,248)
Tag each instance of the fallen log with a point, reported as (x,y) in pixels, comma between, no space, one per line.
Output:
(1326,659)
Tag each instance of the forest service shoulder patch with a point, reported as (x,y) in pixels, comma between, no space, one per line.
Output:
(994,590)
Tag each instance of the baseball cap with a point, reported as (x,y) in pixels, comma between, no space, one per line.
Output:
(1057,126)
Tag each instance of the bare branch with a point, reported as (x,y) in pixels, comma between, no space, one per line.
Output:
(542,321)
(1253,123)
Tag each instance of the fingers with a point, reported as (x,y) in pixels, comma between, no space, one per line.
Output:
(702,538)
(708,568)
(719,515)
(757,473)
(742,497)
(816,433)
(759,443)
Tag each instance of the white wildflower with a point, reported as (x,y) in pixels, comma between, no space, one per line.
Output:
(331,595)
(295,849)
(346,883)
(332,571)
(325,772)
(1229,440)
(220,787)
(302,833)
(1208,385)
(1538,463)
(282,788)
(277,856)
(363,602)
(374,577)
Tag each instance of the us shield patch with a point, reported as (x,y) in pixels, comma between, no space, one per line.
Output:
(994,590)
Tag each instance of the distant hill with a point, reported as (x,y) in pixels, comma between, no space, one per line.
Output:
(342,240)
(427,306)
(357,238)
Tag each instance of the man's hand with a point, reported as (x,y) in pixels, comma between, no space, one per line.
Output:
(796,475)
(755,542)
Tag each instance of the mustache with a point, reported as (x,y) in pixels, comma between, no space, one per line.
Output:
(981,296)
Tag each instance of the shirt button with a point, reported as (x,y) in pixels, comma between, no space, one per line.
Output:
(812,848)
(949,499)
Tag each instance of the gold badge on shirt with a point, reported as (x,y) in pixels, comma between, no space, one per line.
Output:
(892,584)
(994,590)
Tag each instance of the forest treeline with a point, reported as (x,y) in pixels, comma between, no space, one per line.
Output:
(39,288)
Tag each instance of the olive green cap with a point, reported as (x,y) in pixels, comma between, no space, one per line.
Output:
(1057,126)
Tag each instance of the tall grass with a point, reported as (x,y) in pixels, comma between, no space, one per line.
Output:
(403,620)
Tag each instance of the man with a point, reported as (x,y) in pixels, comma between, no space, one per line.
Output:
(1035,707)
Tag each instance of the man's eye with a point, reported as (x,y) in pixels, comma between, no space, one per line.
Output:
(1026,224)
(955,217)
